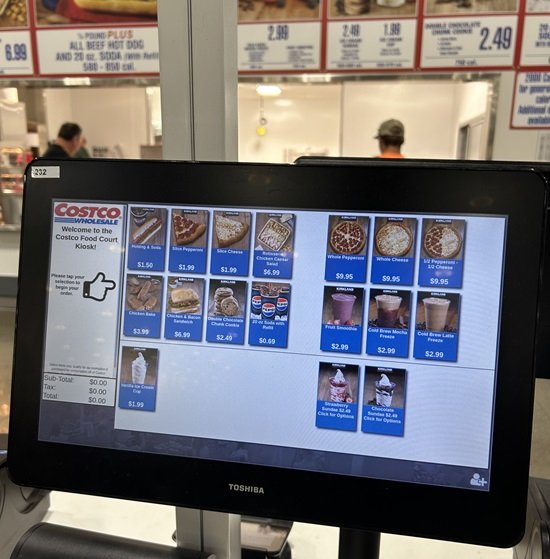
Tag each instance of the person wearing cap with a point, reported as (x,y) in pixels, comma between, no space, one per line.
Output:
(391,136)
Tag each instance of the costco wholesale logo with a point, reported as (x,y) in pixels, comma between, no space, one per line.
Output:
(97,215)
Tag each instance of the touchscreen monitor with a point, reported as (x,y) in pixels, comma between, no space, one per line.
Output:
(295,342)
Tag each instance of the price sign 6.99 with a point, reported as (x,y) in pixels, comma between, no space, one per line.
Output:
(15,53)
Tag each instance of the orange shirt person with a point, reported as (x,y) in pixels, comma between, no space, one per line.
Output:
(391,136)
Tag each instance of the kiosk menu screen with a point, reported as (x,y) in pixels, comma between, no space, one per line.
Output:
(275,335)
(247,333)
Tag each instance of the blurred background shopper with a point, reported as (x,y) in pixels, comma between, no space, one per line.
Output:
(391,136)
(67,143)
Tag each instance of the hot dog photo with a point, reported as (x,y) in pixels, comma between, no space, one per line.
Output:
(147,226)
(59,12)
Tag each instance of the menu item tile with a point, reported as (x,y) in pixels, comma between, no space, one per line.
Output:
(229,231)
(346,249)
(138,378)
(226,311)
(188,241)
(269,311)
(384,401)
(442,254)
(274,240)
(337,394)
(147,232)
(230,243)
(388,329)
(437,319)
(184,319)
(393,238)
(142,306)
(342,327)
(347,237)
(442,240)
(274,233)
(393,253)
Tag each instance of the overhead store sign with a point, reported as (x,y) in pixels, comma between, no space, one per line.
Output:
(67,38)
(531,108)
(469,42)
(98,51)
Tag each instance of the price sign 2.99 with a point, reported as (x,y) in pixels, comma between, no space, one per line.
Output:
(15,53)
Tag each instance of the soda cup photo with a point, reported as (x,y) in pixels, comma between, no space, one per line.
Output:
(256,305)
(268,310)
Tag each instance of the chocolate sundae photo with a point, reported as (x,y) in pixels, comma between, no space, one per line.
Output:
(384,387)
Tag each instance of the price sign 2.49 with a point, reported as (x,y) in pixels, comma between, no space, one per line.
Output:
(469,42)
(15,53)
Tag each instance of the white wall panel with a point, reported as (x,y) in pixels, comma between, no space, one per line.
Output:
(304,118)
(118,122)
(427,109)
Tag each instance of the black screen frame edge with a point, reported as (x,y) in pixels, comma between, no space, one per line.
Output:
(498,530)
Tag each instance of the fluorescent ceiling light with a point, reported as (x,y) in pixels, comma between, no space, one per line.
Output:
(76,81)
(268,90)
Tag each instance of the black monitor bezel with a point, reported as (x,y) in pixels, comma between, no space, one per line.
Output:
(488,518)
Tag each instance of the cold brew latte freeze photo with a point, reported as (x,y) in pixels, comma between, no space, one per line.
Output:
(388,310)
(436,313)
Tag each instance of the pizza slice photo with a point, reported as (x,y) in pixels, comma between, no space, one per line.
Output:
(230,228)
(188,228)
